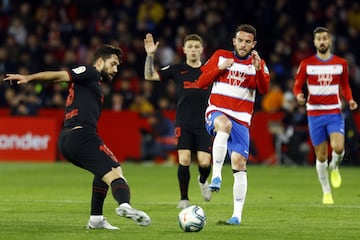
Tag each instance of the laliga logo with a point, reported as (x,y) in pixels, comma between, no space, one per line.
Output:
(324,79)
(27,141)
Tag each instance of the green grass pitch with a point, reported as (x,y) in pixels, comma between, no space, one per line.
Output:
(51,201)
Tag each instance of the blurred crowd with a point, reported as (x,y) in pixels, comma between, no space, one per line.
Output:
(58,34)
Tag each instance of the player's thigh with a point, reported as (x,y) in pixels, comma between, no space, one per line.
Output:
(202,140)
(317,130)
(88,151)
(336,131)
(217,121)
(239,140)
(185,138)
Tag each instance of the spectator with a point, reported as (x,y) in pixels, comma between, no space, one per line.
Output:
(273,100)
(160,139)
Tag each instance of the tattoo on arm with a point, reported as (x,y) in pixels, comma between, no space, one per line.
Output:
(149,66)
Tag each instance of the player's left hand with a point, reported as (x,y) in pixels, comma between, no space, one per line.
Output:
(256,60)
(352,105)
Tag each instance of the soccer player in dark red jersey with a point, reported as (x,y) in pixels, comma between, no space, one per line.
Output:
(236,76)
(79,142)
(191,105)
(326,77)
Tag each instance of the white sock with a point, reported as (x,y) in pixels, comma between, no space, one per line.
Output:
(336,159)
(239,193)
(322,171)
(219,152)
(125,205)
(96,218)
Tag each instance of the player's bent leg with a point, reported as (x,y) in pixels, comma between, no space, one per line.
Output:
(121,193)
(113,174)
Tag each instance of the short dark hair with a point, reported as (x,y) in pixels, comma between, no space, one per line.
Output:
(194,37)
(106,51)
(320,30)
(246,28)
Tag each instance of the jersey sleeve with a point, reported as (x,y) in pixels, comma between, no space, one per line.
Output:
(82,73)
(344,83)
(263,78)
(299,79)
(210,71)
(166,73)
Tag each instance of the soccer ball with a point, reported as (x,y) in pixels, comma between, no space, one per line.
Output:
(192,219)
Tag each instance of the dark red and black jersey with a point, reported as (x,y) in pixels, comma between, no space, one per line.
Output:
(85,98)
(191,100)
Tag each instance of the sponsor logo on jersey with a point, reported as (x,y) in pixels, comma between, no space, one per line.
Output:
(325,79)
(236,78)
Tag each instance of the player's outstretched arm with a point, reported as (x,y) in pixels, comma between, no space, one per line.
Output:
(55,76)
(150,48)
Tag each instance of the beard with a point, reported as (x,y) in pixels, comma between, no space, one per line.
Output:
(323,49)
(105,76)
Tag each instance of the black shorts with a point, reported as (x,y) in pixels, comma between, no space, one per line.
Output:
(194,139)
(84,148)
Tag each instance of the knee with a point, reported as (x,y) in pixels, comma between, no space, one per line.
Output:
(204,161)
(184,157)
(338,148)
(238,163)
(113,174)
(224,126)
(321,156)
(184,161)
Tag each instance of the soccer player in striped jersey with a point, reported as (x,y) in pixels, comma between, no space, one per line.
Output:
(326,78)
(190,110)
(236,77)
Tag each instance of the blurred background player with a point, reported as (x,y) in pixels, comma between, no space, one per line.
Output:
(326,75)
(236,76)
(79,142)
(191,105)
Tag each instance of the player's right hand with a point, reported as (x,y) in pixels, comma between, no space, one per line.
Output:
(149,44)
(226,64)
(18,78)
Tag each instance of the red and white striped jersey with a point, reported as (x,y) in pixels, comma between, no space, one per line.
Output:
(234,89)
(326,81)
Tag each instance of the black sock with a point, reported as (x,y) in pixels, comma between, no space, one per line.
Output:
(235,171)
(204,173)
(184,179)
(99,191)
(120,191)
